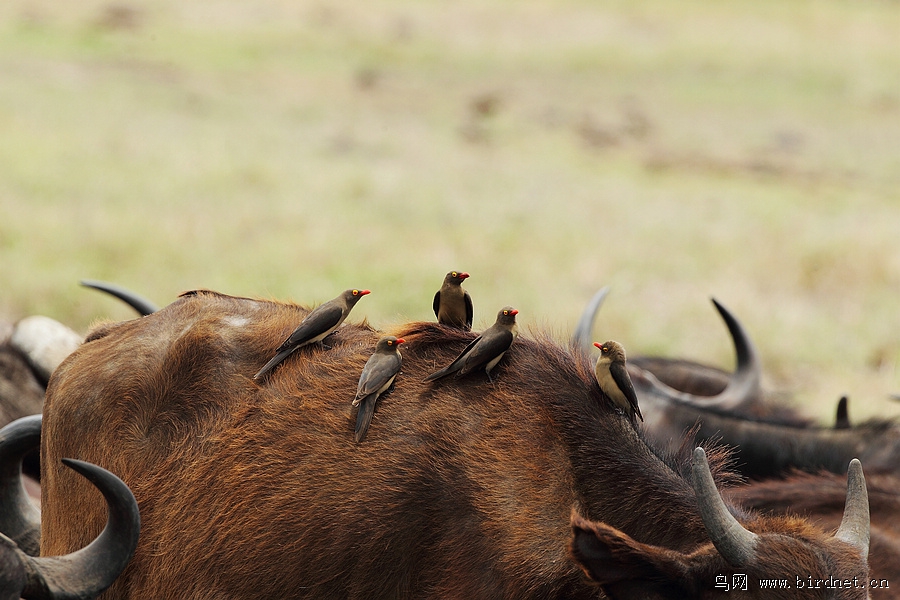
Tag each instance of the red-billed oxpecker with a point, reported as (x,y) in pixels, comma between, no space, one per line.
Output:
(487,349)
(614,379)
(377,378)
(317,325)
(452,304)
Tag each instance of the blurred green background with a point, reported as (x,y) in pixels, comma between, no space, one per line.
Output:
(291,149)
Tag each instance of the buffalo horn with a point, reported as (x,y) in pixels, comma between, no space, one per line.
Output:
(581,339)
(736,544)
(854,527)
(842,416)
(85,573)
(19,518)
(744,384)
(143,306)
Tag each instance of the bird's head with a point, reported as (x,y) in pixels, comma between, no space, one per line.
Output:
(456,277)
(507,315)
(612,350)
(354,295)
(389,343)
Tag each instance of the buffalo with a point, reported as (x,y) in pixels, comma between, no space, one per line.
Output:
(463,487)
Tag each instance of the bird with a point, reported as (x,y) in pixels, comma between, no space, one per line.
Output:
(317,325)
(487,349)
(614,379)
(452,304)
(377,377)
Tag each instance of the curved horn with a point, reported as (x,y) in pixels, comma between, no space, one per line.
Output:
(87,572)
(842,417)
(743,386)
(12,569)
(143,306)
(854,527)
(581,339)
(19,519)
(44,342)
(736,544)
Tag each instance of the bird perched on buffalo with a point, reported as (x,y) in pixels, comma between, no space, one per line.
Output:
(487,349)
(614,379)
(452,304)
(316,326)
(377,377)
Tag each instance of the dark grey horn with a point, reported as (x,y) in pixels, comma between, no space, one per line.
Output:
(842,417)
(143,306)
(736,544)
(20,519)
(744,384)
(854,527)
(85,573)
(581,339)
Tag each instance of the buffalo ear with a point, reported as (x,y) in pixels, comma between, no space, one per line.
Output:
(625,568)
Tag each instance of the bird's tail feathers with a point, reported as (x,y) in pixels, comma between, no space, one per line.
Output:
(272,364)
(453,367)
(364,417)
(437,375)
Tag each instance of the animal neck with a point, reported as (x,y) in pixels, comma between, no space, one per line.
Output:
(628,487)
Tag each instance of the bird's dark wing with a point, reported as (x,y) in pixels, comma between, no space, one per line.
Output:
(378,371)
(364,417)
(469,309)
(320,320)
(457,363)
(623,380)
(492,344)
(436,305)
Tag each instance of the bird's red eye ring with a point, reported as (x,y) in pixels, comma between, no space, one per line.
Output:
(355,292)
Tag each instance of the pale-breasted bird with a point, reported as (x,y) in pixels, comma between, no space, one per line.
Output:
(452,304)
(487,349)
(317,325)
(614,379)
(377,378)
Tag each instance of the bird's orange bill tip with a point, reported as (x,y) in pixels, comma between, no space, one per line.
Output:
(463,275)
(401,341)
(364,292)
(599,345)
(513,312)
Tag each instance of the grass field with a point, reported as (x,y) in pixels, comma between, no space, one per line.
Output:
(675,151)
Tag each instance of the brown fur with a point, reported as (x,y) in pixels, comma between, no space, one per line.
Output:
(788,548)
(462,489)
